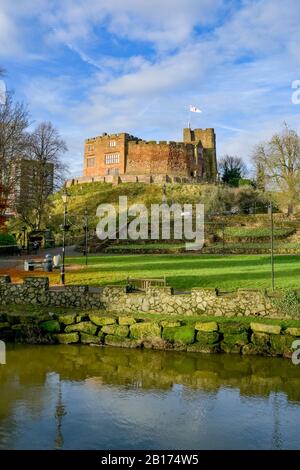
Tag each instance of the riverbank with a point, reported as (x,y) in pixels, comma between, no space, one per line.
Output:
(246,336)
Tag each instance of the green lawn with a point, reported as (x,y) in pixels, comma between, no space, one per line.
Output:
(189,270)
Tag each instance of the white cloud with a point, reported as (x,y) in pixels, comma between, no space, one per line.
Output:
(8,36)
(238,70)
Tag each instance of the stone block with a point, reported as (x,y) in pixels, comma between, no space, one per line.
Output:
(85,327)
(145,330)
(265,328)
(90,339)
(261,340)
(170,323)
(292,331)
(126,320)
(116,330)
(67,338)
(116,341)
(101,320)
(233,327)
(236,339)
(207,337)
(206,326)
(67,319)
(182,334)
(230,348)
(251,350)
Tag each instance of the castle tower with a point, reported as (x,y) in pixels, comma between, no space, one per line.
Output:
(207,138)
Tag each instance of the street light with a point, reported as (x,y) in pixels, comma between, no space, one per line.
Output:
(272,244)
(65,228)
(86,228)
(24,237)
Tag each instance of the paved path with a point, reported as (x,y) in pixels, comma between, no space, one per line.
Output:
(17,262)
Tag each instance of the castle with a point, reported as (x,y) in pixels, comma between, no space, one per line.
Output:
(122,157)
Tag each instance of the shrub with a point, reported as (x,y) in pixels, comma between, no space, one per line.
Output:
(288,303)
(7,239)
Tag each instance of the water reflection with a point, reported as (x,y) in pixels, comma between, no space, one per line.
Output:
(84,397)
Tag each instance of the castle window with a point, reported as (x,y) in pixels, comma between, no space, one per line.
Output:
(111,158)
(90,162)
(90,147)
(112,143)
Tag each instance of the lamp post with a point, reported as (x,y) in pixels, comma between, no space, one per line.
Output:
(65,227)
(86,228)
(24,237)
(272,244)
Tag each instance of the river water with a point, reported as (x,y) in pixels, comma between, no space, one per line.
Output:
(81,397)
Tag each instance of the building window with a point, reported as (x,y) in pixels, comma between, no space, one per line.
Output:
(90,148)
(90,162)
(111,158)
(112,143)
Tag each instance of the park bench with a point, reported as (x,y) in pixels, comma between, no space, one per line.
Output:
(145,283)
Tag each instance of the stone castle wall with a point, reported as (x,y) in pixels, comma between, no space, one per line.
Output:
(116,179)
(160,158)
(241,303)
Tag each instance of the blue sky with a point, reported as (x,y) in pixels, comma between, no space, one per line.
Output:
(93,66)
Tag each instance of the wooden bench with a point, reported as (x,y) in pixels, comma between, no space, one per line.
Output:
(145,283)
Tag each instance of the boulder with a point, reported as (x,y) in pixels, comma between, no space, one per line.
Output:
(100,320)
(282,345)
(231,348)
(116,341)
(145,330)
(251,349)
(50,326)
(207,326)
(236,339)
(90,339)
(181,334)
(85,327)
(157,343)
(168,333)
(126,320)
(117,330)
(293,331)
(233,327)
(207,338)
(262,340)
(265,328)
(67,319)
(170,323)
(67,338)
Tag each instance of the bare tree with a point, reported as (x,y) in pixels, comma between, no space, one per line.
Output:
(46,173)
(13,142)
(279,159)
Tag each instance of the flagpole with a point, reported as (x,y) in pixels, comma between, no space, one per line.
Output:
(190,118)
